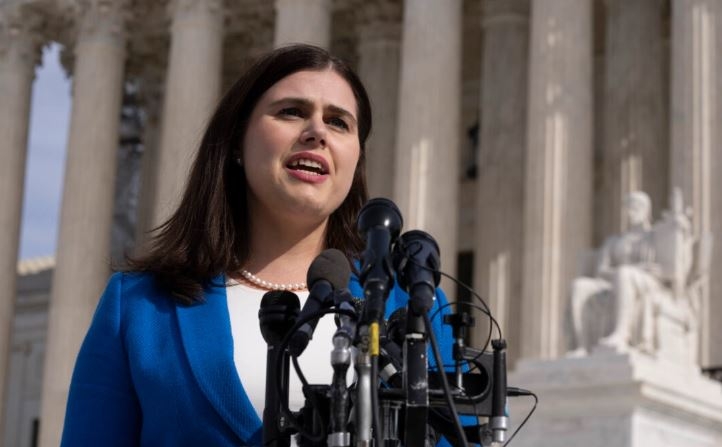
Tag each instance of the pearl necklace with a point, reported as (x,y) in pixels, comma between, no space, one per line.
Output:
(267,285)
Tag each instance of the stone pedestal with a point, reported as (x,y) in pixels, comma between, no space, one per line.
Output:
(621,400)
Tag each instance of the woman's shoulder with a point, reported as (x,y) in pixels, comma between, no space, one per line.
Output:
(135,288)
(131,281)
(145,286)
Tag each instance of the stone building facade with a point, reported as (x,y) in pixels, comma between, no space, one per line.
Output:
(508,129)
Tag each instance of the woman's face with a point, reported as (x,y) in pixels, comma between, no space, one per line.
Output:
(301,146)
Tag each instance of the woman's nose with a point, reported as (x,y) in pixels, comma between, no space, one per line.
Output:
(315,132)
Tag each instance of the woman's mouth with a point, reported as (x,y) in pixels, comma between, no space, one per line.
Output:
(310,166)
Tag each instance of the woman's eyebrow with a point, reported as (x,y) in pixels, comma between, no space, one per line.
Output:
(341,111)
(302,102)
(291,101)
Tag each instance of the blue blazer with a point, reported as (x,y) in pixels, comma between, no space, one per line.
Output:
(154,373)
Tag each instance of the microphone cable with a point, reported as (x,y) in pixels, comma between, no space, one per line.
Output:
(515,392)
(484,309)
(444,381)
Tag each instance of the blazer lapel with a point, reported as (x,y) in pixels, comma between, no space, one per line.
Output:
(206,333)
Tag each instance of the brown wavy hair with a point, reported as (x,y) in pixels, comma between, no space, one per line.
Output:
(208,233)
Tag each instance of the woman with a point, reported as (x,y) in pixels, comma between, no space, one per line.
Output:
(279,177)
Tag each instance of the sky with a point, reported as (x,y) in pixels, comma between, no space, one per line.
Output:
(48,135)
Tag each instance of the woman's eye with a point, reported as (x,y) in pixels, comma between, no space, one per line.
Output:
(290,111)
(338,122)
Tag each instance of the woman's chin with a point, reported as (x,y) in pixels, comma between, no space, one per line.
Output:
(309,210)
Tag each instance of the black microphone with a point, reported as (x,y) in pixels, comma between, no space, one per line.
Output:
(277,316)
(379,223)
(328,272)
(416,261)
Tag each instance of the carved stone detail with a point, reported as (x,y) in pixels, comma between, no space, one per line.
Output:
(102,19)
(505,10)
(21,34)
(181,9)
(380,20)
(648,281)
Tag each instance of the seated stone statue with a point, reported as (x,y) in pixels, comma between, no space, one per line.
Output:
(643,279)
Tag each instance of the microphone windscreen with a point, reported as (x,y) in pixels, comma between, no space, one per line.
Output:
(280,298)
(332,266)
(277,315)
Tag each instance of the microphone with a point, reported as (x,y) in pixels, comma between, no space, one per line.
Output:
(379,223)
(416,261)
(277,316)
(328,272)
(499,419)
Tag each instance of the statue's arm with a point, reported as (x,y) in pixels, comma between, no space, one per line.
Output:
(604,261)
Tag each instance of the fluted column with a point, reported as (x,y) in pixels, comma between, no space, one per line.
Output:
(558,200)
(20,41)
(306,21)
(87,207)
(151,99)
(635,137)
(696,137)
(427,154)
(192,88)
(500,179)
(379,59)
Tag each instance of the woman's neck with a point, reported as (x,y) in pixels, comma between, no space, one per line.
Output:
(282,252)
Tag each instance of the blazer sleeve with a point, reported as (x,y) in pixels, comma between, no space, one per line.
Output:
(103,407)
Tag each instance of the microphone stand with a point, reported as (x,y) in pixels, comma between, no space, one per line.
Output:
(416,260)
(277,315)
(340,361)
(272,420)
(379,222)
(416,375)
(363,397)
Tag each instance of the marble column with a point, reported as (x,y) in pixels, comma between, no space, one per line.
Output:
(428,139)
(305,21)
(379,57)
(86,216)
(151,99)
(558,200)
(192,88)
(20,41)
(635,155)
(696,137)
(499,230)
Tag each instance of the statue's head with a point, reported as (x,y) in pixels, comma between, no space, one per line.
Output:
(639,208)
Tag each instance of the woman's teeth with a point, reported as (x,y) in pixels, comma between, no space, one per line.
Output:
(311,166)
